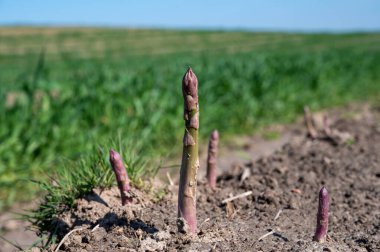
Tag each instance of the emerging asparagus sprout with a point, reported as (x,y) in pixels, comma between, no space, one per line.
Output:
(310,123)
(211,158)
(326,126)
(121,176)
(322,216)
(187,221)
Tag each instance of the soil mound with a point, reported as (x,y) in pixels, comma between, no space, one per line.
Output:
(277,213)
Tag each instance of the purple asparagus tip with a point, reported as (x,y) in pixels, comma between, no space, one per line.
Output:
(322,216)
(121,176)
(114,155)
(215,134)
(190,83)
(190,96)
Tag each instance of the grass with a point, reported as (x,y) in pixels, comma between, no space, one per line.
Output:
(65,90)
(72,184)
(76,179)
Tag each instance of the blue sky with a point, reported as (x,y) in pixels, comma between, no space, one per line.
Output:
(284,15)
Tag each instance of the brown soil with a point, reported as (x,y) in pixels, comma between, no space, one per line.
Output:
(234,151)
(283,203)
(15,233)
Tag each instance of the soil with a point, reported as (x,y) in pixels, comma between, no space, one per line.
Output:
(15,233)
(234,151)
(278,215)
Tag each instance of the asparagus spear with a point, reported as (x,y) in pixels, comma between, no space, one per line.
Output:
(322,216)
(211,158)
(121,176)
(187,221)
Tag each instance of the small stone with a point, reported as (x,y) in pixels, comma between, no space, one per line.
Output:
(119,230)
(139,233)
(281,169)
(151,245)
(162,235)
(327,161)
(293,204)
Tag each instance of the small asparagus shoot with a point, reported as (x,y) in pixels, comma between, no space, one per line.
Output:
(211,158)
(322,216)
(187,220)
(326,126)
(309,122)
(121,176)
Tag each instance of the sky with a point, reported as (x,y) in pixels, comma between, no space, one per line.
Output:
(271,15)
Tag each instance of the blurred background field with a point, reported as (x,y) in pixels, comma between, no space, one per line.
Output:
(66,92)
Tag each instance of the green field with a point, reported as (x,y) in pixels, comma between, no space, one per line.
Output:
(69,93)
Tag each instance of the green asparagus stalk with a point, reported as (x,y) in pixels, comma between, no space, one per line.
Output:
(121,176)
(211,158)
(187,221)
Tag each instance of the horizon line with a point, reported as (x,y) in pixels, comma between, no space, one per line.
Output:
(189,28)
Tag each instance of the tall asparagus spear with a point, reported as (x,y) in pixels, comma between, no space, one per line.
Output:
(121,176)
(211,158)
(322,216)
(187,221)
